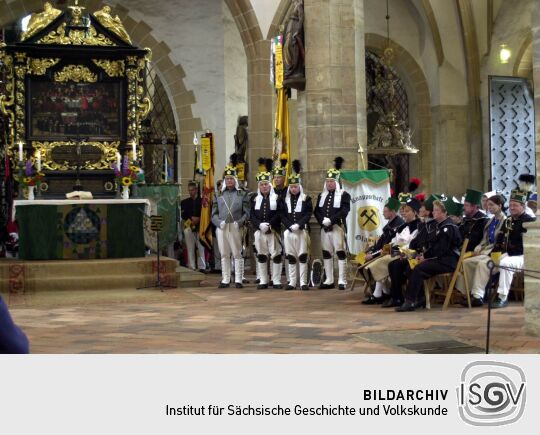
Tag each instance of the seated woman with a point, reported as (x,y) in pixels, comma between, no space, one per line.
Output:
(378,269)
(440,256)
(482,251)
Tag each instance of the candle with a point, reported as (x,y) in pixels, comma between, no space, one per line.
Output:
(166,166)
(20,151)
(118,160)
(134,150)
(38,161)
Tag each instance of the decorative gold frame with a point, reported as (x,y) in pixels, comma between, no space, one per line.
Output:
(75,73)
(108,149)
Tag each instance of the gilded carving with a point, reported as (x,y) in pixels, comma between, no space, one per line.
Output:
(113,68)
(75,73)
(108,152)
(39,67)
(76,37)
(114,24)
(39,21)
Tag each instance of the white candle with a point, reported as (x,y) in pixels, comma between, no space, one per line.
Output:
(118,160)
(166,166)
(20,151)
(134,150)
(38,161)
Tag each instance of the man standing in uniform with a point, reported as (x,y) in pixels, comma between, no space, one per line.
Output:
(264,216)
(229,212)
(191,215)
(295,213)
(333,206)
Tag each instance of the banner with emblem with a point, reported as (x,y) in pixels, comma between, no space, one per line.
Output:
(369,192)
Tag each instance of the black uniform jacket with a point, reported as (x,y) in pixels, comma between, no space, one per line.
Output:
(473,229)
(444,244)
(265,214)
(425,231)
(301,218)
(336,215)
(190,207)
(389,231)
(511,241)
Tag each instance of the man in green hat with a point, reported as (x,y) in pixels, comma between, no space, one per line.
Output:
(475,220)
(264,217)
(510,243)
(333,206)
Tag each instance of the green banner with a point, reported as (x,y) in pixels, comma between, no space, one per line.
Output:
(376,176)
(164,202)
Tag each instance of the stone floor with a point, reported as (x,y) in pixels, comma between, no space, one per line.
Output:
(211,320)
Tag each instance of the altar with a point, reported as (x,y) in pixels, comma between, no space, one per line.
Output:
(75,229)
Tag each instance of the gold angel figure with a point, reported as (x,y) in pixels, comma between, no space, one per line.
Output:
(40,20)
(112,23)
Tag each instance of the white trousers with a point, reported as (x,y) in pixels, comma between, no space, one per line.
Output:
(192,239)
(230,243)
(334,241)
(481,275)
(296,244)
(267,244)
(469,266)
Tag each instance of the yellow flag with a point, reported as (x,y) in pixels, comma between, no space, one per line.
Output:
(205,227)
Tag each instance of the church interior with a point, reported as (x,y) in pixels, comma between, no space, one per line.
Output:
(117,117)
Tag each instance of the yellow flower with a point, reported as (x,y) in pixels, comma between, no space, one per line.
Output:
(27,180)
(134,168)
(126,181)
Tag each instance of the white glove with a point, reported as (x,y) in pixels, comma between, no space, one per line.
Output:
(326,222)
(294,227)
(236,225)
(263,226)
(222,225)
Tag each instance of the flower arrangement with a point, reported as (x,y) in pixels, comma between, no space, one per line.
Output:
(128,174)
(31,176)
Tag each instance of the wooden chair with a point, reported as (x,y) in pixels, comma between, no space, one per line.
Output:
(357,276)
(449,281)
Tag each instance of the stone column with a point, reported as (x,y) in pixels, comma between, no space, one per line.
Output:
(261,99)
(532,237)
(332,109)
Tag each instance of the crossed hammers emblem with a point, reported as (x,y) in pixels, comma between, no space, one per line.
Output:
(369,216)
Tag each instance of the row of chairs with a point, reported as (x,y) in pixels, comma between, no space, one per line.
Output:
(447,282)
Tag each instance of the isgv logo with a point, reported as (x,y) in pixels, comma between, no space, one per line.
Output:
(491,393)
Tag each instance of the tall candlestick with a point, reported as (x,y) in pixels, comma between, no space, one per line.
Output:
(20,151)
(38,161)
(134,150)
(118,160)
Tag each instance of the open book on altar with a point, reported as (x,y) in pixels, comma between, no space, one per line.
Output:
(79,194)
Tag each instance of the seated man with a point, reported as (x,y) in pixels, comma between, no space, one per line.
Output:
(378,268)
(12,339)
(441,255)
(390,213)
(510,244)
(472,226)
(482,251)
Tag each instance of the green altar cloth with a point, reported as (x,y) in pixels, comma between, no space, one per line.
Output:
(53,230)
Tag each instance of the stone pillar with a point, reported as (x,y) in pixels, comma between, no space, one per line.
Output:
(261,107)
(332,109)
(532,237)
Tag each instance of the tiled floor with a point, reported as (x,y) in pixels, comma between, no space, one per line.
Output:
(211,320)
